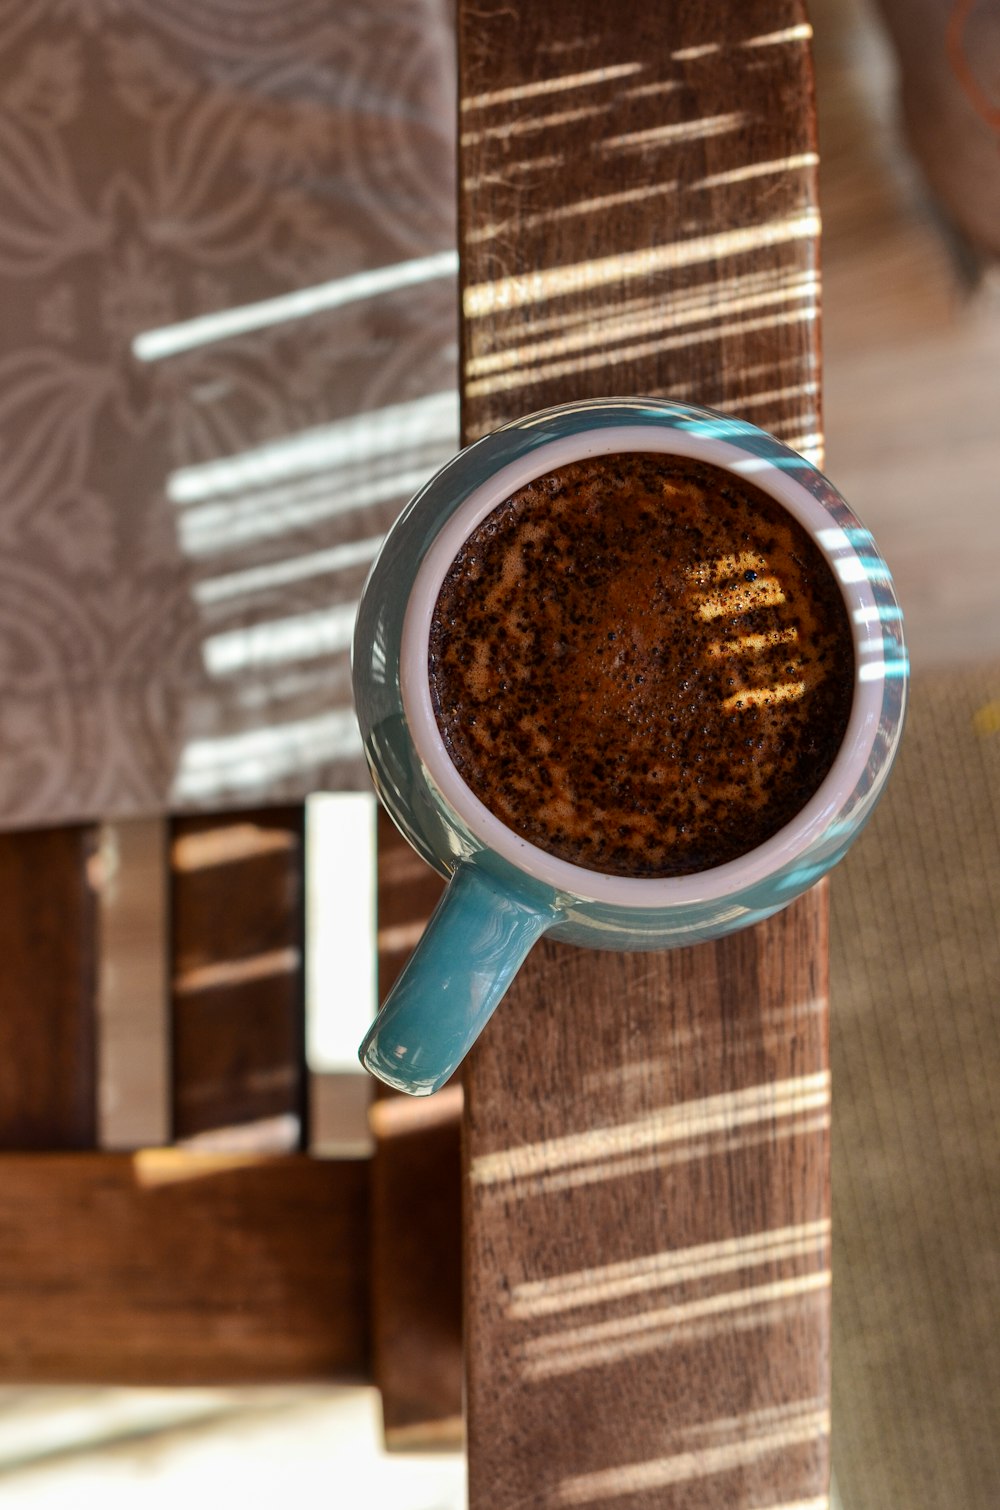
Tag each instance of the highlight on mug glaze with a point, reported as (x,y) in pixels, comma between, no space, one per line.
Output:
(628,671)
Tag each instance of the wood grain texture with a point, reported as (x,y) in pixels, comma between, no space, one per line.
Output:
(416,1183)
(237,930)
(175,1267)
(48,971)
(408,892)
(416,1268)
(638,208)
(648,1228)
(646,1155)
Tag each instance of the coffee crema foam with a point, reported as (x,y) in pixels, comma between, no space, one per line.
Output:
(641,664)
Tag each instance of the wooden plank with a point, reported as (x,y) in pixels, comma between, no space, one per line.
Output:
(133,1005)
(48,963)
(176,1267)
(648,1243)
(416,1183)
(646,1173)
(408,892)
(637,209)
(417,1268)
(237,928)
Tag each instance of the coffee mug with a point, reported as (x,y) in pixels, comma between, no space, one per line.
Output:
(503,891)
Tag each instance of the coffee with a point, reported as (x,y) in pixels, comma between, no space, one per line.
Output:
(642,664)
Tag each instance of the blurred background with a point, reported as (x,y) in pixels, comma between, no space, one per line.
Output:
(185,645)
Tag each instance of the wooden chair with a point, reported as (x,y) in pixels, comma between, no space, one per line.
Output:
(644,1167)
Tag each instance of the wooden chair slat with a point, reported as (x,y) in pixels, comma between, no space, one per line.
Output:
(646,1178)
(237,985)
(48,974)
(416,1184)
(178,1267)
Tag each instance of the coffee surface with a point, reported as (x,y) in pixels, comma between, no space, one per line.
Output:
(642,664)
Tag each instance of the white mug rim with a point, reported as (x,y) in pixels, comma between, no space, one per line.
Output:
(575,881)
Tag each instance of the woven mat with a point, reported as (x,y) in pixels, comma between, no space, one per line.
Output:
(916,1137)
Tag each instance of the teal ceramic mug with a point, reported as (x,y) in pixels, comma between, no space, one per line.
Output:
(503,892)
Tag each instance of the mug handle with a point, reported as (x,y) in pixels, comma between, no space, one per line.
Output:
(477,937)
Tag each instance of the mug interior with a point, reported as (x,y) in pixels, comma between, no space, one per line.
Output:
(848,767)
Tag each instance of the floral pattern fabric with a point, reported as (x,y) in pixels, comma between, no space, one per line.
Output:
(227,356)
